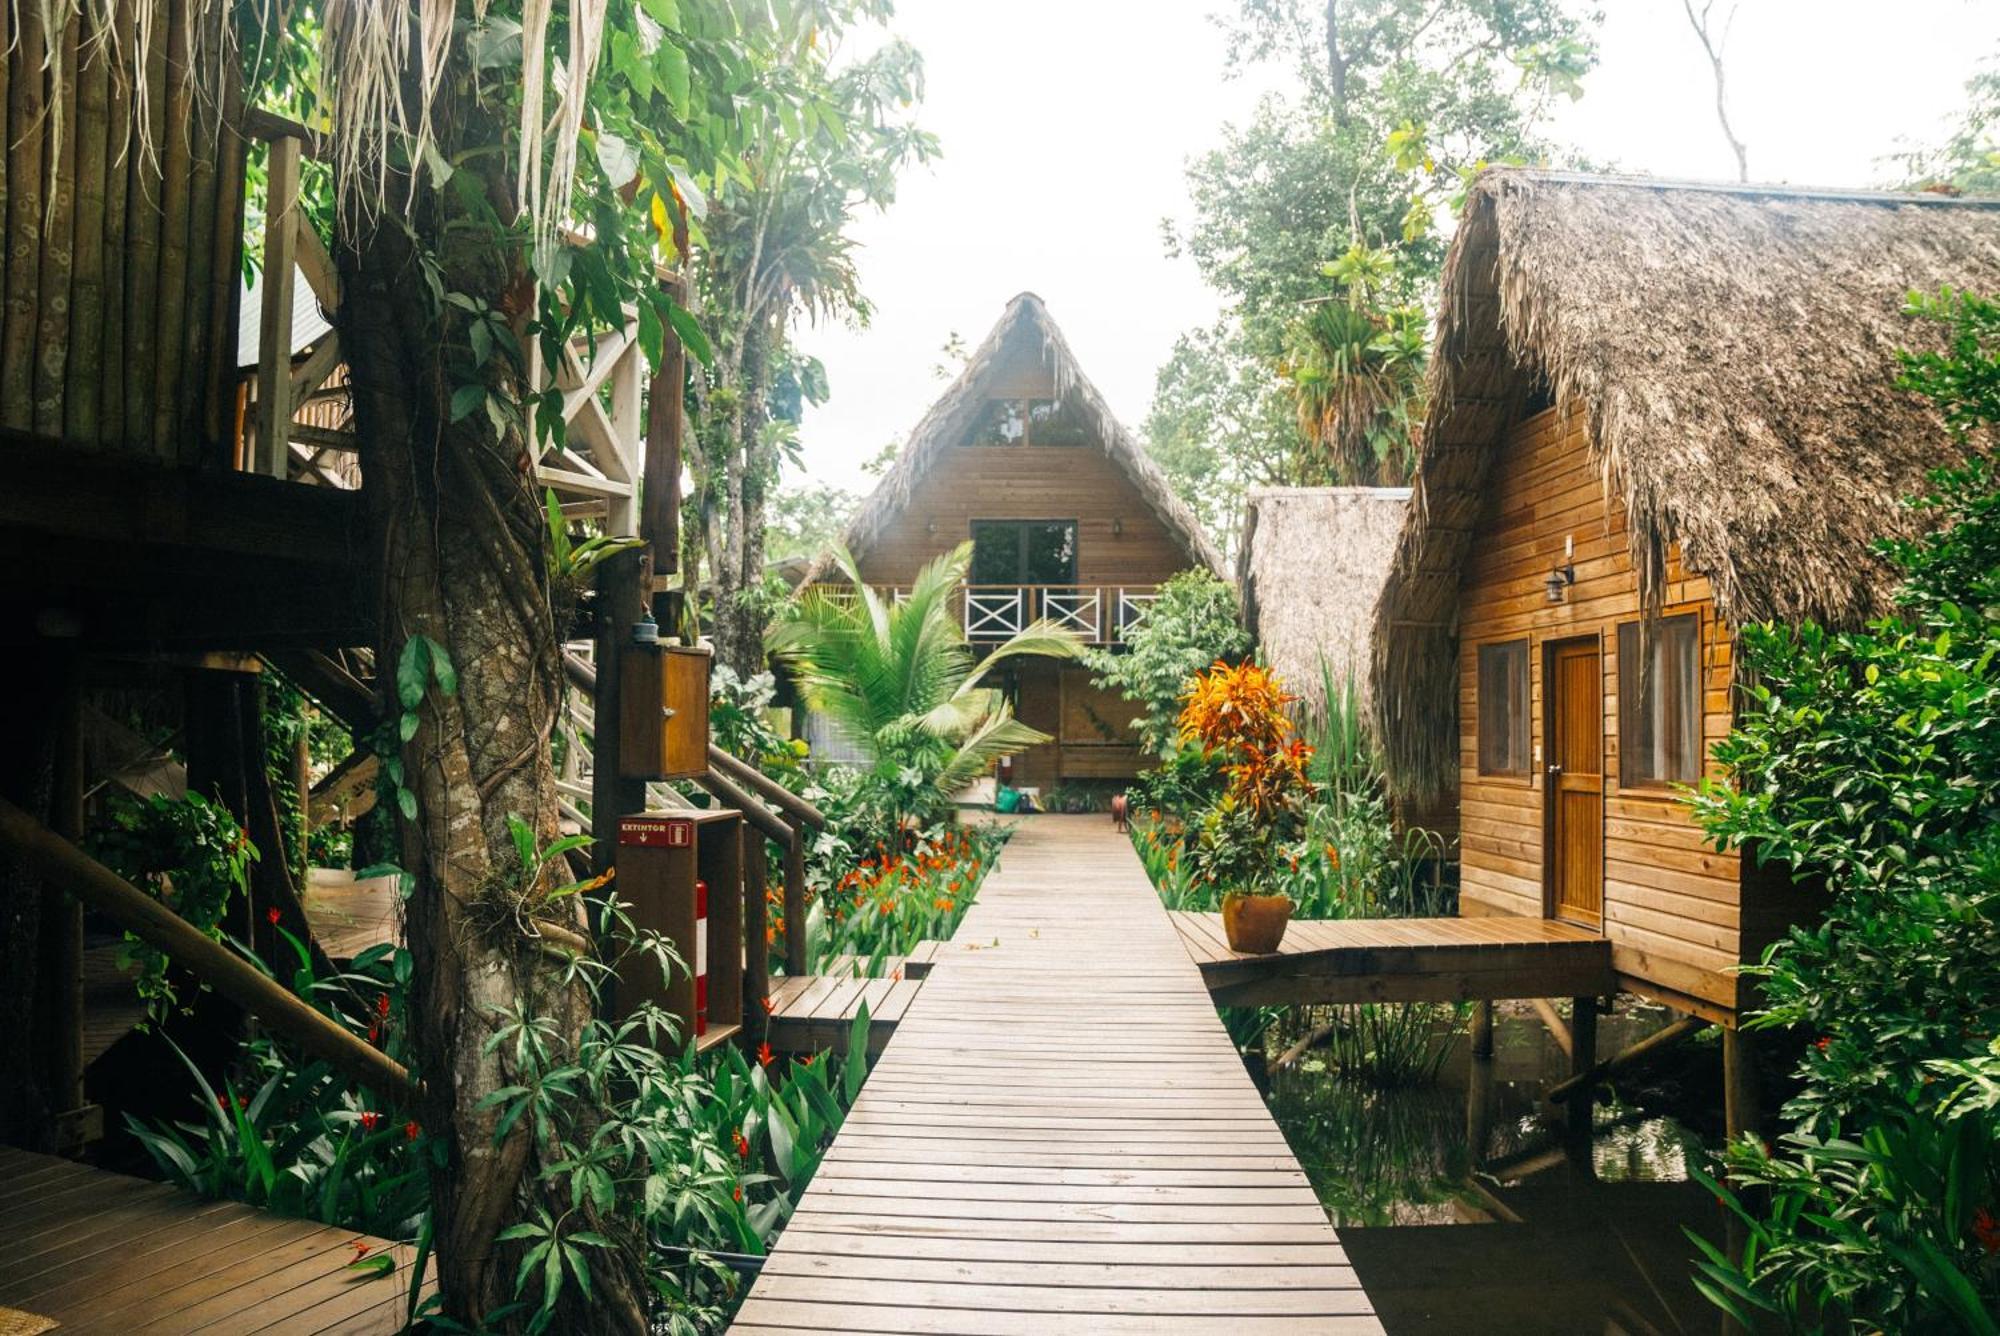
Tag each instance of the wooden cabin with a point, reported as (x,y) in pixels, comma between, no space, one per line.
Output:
(1068,518)
(1659,412)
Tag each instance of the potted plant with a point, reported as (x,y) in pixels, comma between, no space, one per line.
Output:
(1236,716)
(1233,850)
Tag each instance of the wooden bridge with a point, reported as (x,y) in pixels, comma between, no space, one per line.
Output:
(1060,1136)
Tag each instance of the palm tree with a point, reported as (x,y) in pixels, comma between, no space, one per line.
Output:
(898,677)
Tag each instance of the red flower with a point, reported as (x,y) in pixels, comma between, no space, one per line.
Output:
(765,1002)
(742,1146)
(382,1005)
(1986,1230)
(370,1121)
(361,1248)
(764,1055)
(1821,1043)
(273,915)
(411,1130)
(375,1035)
(737,1192)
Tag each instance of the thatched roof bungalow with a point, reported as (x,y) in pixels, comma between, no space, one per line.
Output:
(1068,518)
(1024,356)
(1658,411)
(1310,570)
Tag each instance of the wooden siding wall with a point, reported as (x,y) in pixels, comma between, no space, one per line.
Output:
(1025,482)
(1672,906)
(1005,482)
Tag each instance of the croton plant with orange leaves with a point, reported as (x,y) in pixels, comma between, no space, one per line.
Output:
(1236,715)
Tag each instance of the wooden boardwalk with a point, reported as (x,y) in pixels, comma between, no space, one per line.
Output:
(1403,960)
(1060,1137)
(86,1251)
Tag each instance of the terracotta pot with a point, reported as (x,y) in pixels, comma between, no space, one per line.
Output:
(1255,924)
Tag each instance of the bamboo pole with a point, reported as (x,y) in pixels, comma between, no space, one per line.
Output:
(191,417)
(118,175)
(170,314)
(58,250)
(63,864)
(225,268)
(25,107)
(86,315)
(142,243)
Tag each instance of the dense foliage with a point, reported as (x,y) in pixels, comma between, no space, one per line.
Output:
(895,675)
(1866,764)
(1315,219)
(1193,623)
(190,853)
(684,1159)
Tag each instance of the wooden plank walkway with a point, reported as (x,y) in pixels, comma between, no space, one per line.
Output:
(93,1251)
(1060,1137)
(1403,960)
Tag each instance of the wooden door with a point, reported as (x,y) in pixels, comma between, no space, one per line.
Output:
(1573,680)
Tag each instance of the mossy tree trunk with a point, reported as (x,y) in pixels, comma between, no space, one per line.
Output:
(458,533)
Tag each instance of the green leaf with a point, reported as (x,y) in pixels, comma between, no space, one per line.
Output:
(689,330)
(672,66)
(467,400)
(413,669)
(442,669)
(379,1264)
(406,802)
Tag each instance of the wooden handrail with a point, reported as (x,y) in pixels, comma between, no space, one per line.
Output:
(758,815)
(766,788)
(65,865)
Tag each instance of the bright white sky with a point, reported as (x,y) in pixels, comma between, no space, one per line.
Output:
(1065,125)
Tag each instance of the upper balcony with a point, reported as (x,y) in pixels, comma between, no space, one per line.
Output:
(990,613)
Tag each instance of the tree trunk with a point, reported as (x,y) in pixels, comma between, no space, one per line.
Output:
(459,535)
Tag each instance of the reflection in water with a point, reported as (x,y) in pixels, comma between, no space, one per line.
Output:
(1573,1242)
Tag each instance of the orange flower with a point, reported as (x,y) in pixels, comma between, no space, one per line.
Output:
(766,1003)
(765,1057)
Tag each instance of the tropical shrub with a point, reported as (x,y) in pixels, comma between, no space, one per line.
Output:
(679,1156)
(1235,716)
(1867,765)
(893,899)
(1194,622)
(898,677)
(191,855)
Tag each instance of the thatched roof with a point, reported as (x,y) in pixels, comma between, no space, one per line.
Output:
(1025,326)
(1311,567)
(1734,351)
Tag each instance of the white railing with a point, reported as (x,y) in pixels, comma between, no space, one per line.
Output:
(1078,610)
(994,613)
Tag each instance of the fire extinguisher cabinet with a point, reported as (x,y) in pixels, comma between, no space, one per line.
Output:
(681,875)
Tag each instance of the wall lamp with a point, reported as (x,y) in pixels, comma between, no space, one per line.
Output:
(1563,576)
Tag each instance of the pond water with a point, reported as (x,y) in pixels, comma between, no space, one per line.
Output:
(1466,1207)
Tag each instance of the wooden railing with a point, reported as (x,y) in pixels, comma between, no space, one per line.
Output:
(1099,613)
(297,415)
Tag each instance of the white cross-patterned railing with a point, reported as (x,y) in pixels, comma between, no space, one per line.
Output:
(1078,610)
(1132,605)
(994,613)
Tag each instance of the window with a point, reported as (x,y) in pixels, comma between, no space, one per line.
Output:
(1023,552)
(1659,702)
(1503,708)
(1029,422)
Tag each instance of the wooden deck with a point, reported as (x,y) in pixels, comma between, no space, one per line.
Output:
(1403,960)
(1060,1137)
(92,1251)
